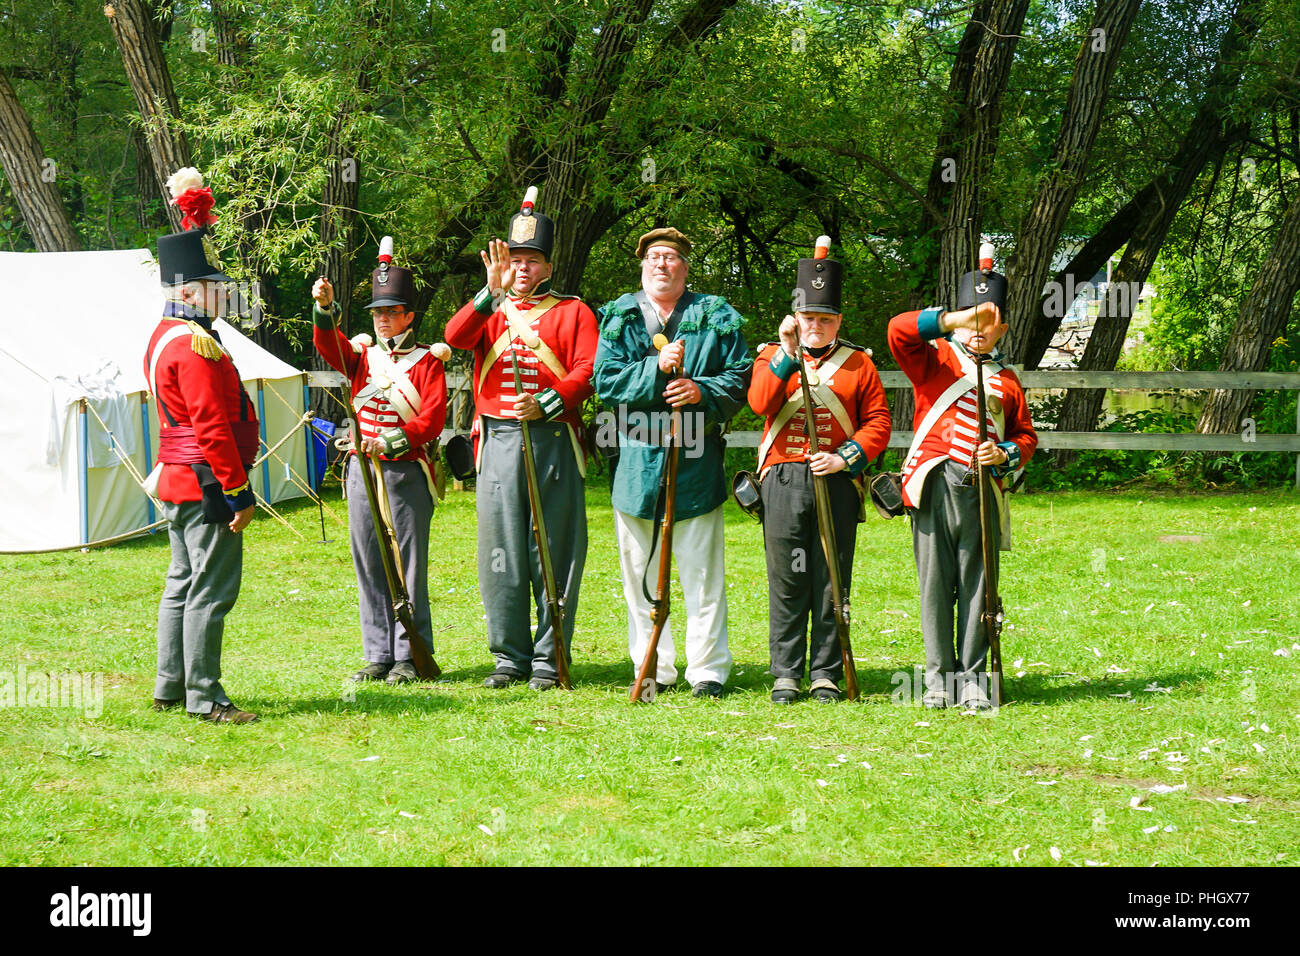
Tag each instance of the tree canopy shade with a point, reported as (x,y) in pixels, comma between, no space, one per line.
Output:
(1113,128)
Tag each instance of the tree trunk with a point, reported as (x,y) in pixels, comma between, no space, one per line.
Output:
(1040,229)
(1205,137)
(1263,318)
(966,146)
(1206,141)
(34,189)
(965,149)
(138,40)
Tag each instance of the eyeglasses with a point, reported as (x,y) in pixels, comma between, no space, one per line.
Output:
(667,258)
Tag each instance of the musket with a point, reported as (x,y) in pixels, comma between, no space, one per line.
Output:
(826,531)
(554,599)
(390,555)
(643,688)
(992,616)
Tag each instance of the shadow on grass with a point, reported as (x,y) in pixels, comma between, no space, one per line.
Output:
(1049,689)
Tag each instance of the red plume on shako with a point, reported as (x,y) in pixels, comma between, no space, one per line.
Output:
(820,279)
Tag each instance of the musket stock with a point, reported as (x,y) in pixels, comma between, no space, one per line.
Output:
(992,616)
(826,531)
(390,555)
(554,600)
(643,688)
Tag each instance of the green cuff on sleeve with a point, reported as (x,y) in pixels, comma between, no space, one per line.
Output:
(325,320)
(551,402)
(396,444)
(1013,459)
(853,456)
(782,365)
(483,301)
(927,323)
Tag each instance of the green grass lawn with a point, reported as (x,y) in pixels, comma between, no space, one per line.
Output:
(1151,640)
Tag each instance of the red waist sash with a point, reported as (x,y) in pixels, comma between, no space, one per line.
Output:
(177,445)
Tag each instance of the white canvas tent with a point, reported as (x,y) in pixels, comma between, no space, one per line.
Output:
(73,330)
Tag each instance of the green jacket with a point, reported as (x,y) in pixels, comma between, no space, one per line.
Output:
(630,384)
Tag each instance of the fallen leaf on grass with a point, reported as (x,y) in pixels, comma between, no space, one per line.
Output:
(1233,799)
(1056,853)
(370,758)
(1085,737)
(1116,669)
(864,765)
(1151,829)
(486,830)
(1166,788)
(823,783)
(1154,688)
(1045,783)
(1018,852)
(407,814)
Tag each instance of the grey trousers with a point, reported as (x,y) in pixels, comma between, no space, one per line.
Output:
(202,585)
(798,581)
(509,570)
(950,567)
(383,638)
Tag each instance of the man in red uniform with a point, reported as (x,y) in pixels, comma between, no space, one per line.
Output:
(553,338)
(852,423)
(399,395)
(208,439)
(936,349)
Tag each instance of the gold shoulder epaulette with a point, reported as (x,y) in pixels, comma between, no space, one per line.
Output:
(203,343)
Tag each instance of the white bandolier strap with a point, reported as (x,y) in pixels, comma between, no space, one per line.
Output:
(390,379)
(175,332)
(914,482)
(822,395)
(519,326)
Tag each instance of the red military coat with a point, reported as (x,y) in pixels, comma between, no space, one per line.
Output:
(848,373)
(207,403)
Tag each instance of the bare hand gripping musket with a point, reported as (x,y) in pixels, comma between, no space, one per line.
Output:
(992,616)
(554,599)
(643,688)
(391,557)
(826,531)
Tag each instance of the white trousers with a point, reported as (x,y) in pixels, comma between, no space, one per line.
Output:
(698,555)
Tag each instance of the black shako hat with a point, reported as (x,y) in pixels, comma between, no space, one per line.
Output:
(390,284)
(529,229)
(819,281)
(983,284)
(182,258)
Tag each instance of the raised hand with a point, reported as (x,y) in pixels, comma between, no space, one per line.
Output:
(500,273)
(789,333)
(323,293)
